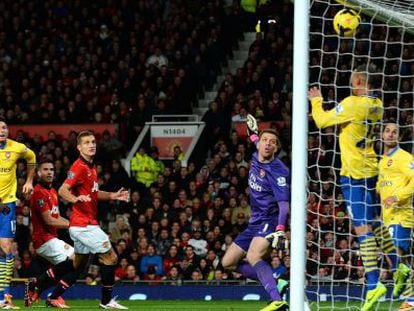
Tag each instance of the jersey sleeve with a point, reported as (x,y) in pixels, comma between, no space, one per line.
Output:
(343,112)
(407,168)
(279,182)
(39,203)
(75,176)
(27,154)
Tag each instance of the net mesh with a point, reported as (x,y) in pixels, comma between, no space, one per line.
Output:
(334,266)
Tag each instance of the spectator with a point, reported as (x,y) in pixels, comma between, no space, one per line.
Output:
(144,169)
(151,260)
(131,274)
(198,244)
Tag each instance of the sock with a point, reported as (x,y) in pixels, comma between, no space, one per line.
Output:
(108,281)
(265,276)
(67,281)
(384,239)
(53,275)
(247,270)
(9,273)
(45,280)
(408,292)
(368,248)
(60,288)
(3,272)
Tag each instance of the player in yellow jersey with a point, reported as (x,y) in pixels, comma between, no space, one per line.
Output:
(10,152)
(357,116)
(396,188)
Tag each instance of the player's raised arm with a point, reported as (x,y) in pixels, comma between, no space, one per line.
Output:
(252,129)
(342,113)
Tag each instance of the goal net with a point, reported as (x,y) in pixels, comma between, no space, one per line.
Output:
(334,268)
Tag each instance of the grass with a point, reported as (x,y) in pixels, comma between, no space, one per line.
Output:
(218,305)
(352,306)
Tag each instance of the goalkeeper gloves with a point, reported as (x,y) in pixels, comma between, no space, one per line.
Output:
(276,237)
(252,127)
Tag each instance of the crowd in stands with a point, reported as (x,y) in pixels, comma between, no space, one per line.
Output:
(110,61)
(180,220)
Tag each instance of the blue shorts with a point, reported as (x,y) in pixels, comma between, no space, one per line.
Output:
(8,221)
(401,237)
(257,230)
(359,195)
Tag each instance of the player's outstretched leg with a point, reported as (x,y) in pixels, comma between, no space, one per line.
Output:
(276,305)
(108,265)
(373,296)
(400,279)
(249,272)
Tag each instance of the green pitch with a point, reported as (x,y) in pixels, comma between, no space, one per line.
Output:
(218,305)
(352,306)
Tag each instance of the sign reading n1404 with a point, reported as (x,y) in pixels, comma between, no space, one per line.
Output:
(174,131)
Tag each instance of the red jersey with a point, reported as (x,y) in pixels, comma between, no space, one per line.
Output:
(43,199)
(83,180)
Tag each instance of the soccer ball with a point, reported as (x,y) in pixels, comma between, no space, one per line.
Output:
(346,22)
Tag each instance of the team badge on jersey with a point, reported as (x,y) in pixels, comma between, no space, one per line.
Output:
(281,181)
(339,109)
(262,173)
(71,175)
(40,202)
(389,163)
(7,154)
(411,165)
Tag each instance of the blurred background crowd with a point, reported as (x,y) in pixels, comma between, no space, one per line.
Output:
(121,62)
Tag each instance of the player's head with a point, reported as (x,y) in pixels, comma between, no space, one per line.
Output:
(268,144)
(391,135)
(46,171)
(365,77)
(86,144)
(4,130)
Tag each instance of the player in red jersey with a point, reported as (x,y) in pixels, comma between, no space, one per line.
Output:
(46,221)
(82,190)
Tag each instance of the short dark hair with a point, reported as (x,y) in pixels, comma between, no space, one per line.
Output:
(271,131)
(40,163)
(3,119)
(84,134)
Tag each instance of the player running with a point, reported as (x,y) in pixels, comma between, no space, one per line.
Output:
(46,221)
(82,190)
(10,152)
(269,198)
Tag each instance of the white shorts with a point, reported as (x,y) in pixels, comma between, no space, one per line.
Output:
(90,239)
(55,251)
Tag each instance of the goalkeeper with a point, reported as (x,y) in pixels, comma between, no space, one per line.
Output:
(269,199)
(357,116)
(396,187)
